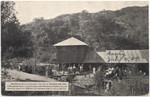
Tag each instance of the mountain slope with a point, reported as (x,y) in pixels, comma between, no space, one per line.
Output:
(122,29)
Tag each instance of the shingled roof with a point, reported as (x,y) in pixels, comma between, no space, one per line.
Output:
(71,42)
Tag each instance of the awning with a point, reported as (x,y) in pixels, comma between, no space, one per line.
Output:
(125,56)
(93,57)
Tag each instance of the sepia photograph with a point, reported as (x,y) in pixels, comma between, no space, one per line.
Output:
(75,48)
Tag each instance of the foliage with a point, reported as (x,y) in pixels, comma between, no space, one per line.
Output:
(133,86)
(105,30)
(99,80)
(15,41)
(122,29)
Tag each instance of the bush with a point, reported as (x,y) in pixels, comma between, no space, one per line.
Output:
(135,86)
(41,70)
(5,64)
(99,80)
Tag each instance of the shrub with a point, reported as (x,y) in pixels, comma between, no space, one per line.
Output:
(133,86)
(99,80)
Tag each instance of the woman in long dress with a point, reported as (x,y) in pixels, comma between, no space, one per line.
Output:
(94,70)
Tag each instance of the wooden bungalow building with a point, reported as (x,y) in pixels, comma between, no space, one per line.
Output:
(75,52)
(71,52)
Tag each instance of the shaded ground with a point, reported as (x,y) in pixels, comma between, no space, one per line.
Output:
(84,81)
(26,76)
(82,85)
(74,89)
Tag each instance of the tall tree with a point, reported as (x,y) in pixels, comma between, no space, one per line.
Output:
(12,36)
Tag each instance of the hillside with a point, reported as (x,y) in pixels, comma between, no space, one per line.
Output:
(105,30)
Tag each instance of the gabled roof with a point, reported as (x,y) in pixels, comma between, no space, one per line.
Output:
(71,42)
(125,56)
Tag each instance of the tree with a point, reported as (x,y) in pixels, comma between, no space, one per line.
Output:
(104,30)
(107,29)
(14,40)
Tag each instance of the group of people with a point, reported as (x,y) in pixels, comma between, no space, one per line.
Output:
(116,72)
(74,69)
(77,69)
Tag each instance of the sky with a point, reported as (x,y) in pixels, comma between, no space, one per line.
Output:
(28,10)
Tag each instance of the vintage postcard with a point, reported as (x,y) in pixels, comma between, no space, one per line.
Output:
(74,48)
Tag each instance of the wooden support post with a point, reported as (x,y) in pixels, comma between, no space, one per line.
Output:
(46,72)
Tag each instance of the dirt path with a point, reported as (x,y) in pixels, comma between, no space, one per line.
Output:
(26,76)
